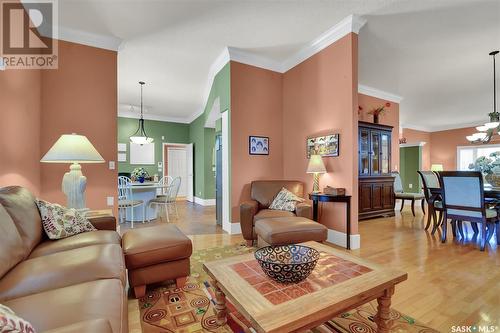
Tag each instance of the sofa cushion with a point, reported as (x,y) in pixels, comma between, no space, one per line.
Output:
(264,191)
(63,269)
(61,222)
(20,204)
(12,250)
(12,323)
(76,241)
(66,306)
(88,326)
(290,230)
(285,200)
(271,213)
(154,245)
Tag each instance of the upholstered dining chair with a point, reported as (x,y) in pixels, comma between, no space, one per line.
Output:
(434,204)
(126,200)
(463,200)
(168,199)
(400,194)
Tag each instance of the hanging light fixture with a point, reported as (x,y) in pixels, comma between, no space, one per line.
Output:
(140,137)
(486,131)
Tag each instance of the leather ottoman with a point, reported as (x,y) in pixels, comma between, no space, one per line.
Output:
(289,230)
(155,254)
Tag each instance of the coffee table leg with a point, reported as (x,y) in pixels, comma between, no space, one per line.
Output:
(383,317)
(220,305)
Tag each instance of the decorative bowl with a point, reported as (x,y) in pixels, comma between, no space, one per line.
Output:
(287,263)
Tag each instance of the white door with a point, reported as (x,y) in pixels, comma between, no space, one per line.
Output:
(190,166)
(177,167)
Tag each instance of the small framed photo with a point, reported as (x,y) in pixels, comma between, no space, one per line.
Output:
(326,146)
(258,145)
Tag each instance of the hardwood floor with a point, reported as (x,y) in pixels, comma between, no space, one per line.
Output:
(448,284)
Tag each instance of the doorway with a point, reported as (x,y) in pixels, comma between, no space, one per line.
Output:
(178,162)
(218,179)
(410,161)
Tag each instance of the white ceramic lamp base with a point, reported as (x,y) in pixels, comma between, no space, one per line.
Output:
(73,185)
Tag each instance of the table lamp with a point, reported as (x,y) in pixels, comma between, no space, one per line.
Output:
(74,149)
(316,166)
(437,167)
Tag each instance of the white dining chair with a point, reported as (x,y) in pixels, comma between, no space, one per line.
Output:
(126,200)
(168,199)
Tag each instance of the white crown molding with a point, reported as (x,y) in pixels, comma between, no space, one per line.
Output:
(442,127)
(252,59)
(415,127)
(150,116)
(89,39)
(215,68)
(352,23)
(374,92)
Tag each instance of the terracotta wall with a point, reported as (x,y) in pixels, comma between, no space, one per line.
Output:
(319,97)
(414,137)
(256,109)
(20,111)
(81,97)
(390,117)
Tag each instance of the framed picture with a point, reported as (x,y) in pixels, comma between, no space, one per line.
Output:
(325,146)
(258,145)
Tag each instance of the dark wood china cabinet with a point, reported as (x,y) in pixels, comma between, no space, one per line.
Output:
(376,184)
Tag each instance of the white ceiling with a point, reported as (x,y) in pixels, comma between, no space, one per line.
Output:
(434,53)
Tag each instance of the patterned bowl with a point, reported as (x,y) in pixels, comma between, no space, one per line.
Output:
(287,263)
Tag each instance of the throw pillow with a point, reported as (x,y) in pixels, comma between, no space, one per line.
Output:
(285,200)
(10,322)
(61,222)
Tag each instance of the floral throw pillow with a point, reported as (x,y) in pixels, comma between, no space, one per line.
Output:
(285,200)
(10,322)
(61,222)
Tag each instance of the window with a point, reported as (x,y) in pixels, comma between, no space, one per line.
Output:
(467,155)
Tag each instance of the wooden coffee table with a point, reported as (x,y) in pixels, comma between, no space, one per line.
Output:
(340,282)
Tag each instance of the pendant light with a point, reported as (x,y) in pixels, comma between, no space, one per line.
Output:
(140,137)
(486,131)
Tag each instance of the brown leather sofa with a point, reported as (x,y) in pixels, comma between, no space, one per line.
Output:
(262,193)
(76,284)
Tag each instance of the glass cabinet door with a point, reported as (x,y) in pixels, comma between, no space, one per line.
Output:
(364,152)
(385,152)
(375,153)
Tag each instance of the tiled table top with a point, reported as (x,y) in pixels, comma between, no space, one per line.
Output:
(330,270)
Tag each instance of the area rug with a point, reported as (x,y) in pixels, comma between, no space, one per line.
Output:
(167,309)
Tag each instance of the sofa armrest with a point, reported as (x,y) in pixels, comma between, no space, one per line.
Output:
(88,326)
(103,222)
(303,209)
(248,209)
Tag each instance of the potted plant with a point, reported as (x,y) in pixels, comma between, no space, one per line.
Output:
(376,112)
(140,174)
(489,167)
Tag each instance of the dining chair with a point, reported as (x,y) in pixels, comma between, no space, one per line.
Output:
(126,200)
(163,184)
(463,200)
(434,203)
(168,199)
(400,194)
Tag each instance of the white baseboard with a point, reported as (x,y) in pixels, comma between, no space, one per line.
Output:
(204,202)
(232,228)
(340,239)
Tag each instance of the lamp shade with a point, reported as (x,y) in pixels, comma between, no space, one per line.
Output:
(437,167)
(316,165)
(72,148)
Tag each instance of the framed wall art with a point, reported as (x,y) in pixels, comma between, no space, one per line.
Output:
(258,145)
(325,146)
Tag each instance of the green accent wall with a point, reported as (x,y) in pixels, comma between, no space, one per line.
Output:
(410,161)
(203,138)
(171,132)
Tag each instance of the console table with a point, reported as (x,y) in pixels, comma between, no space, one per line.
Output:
(321,197)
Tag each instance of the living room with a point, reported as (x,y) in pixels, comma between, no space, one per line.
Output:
(196,155)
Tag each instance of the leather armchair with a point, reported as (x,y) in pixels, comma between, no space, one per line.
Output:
(262,193)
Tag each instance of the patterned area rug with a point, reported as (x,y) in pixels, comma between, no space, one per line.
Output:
(167,309)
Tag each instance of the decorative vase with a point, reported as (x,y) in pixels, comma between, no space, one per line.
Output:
(375,118)
(493,179)
(141,179)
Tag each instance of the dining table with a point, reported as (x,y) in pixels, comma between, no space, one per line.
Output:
(144,191)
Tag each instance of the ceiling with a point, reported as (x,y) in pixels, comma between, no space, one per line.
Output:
(433,53)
